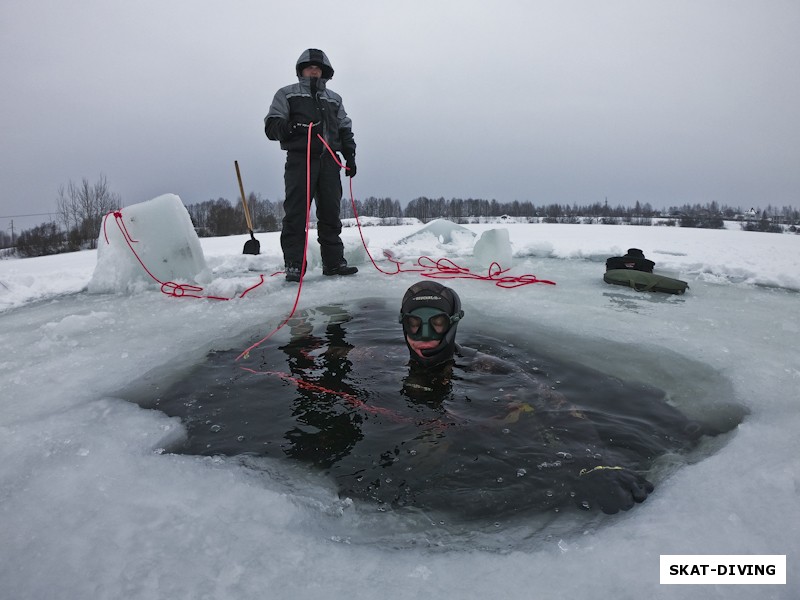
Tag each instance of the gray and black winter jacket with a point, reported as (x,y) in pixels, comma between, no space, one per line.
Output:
(310,101)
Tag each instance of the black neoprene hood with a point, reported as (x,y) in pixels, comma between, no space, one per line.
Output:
(431,294)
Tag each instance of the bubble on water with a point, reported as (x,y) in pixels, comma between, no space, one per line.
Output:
(521,472)
(585,504)
(339,539)
(549,493)
(240,438)
(549,465)
(499,480)
(216,428)
(506,430)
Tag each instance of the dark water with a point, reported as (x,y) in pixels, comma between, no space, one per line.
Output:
(486,438)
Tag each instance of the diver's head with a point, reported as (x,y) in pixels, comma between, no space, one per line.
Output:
(430,313)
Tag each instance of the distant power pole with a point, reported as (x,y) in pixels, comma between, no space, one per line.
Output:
(12,232)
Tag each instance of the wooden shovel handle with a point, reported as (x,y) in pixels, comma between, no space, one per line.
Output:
(244,201)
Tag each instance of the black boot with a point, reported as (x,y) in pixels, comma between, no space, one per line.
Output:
(293,272)
(339,269)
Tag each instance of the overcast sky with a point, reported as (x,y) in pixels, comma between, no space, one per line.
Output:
(667,102)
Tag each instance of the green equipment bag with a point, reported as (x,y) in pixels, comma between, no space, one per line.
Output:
(645,282)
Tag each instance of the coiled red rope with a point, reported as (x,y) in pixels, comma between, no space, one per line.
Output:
(443,268)
(170,288)
(427,267)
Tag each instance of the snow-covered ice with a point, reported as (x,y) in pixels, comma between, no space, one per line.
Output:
(92,506)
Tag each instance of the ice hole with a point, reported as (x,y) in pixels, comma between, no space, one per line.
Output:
(331,403)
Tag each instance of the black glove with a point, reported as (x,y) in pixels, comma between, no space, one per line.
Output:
(350,165)
(610,488)
(278,129)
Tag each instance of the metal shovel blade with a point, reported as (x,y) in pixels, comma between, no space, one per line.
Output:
(252,246)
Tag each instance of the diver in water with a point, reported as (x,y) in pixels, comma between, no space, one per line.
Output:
(430,313)
(468,432)
(436,426)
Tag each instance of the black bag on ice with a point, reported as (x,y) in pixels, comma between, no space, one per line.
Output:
(635,271)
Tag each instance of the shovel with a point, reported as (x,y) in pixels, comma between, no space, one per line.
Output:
(251,246)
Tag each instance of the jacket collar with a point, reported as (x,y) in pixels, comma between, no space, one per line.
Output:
(305,82)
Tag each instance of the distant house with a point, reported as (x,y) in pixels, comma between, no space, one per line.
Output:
(748,215)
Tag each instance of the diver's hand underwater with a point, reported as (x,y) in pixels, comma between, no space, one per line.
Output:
(610,489)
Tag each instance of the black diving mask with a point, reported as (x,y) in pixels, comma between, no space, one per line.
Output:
(427,323)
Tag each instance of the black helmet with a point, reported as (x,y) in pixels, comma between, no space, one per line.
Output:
(312,56)
(431,311)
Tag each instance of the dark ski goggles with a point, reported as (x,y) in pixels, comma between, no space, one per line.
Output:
(427,323)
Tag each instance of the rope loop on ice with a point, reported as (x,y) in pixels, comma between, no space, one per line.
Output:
(443,268)
(168,288)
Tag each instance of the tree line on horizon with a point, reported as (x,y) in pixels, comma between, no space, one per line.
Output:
(220,217)
(82,206)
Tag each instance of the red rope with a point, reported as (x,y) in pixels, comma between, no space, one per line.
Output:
(443,268)
(351,399)
(246,352)
(427,267)
(169,288)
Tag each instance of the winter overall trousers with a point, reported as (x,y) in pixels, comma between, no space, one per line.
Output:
(326,191)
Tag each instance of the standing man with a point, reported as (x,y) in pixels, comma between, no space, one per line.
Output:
(294,109)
